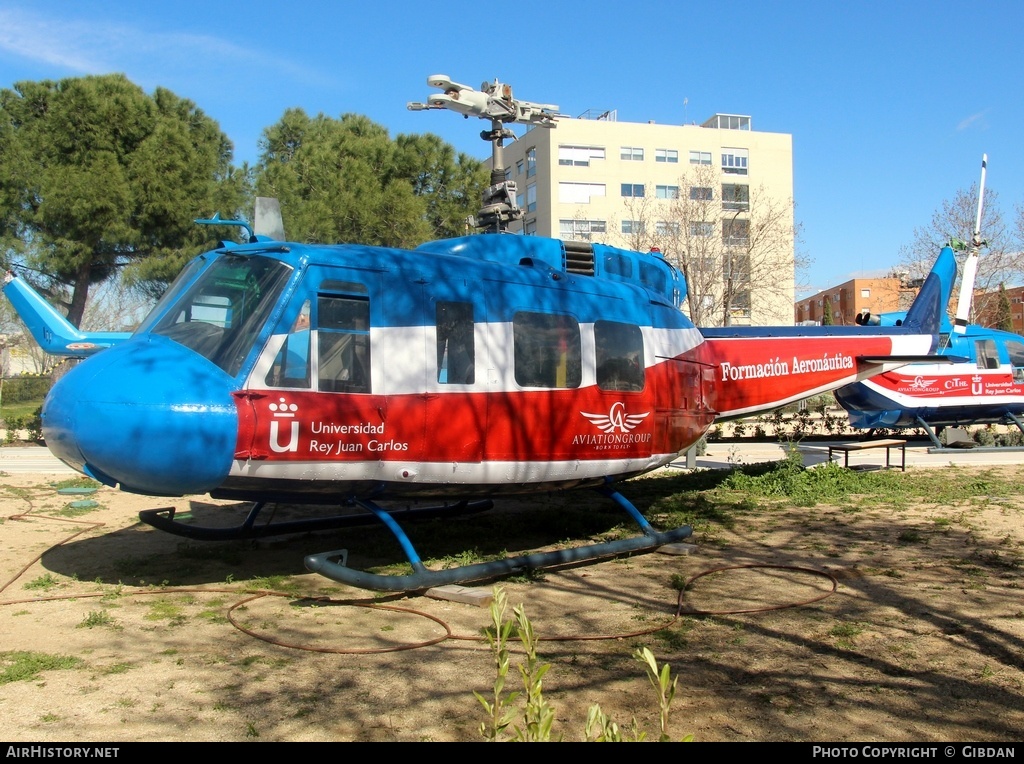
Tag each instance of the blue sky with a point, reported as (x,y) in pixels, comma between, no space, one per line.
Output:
(890,104)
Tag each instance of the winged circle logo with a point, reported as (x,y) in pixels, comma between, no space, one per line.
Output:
(616,420)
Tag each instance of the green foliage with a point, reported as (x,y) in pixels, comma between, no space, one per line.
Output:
(25,388)
(44,582)
(20,665)
(346,180)
(97,618)
(1004,312)
(32,425)
(96,177)
(537,714)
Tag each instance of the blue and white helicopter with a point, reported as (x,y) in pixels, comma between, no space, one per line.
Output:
(985,384)
(460,371)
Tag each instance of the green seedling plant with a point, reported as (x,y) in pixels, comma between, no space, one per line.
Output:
(537,714)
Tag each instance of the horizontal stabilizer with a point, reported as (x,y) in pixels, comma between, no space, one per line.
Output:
(903,360)
(54,333)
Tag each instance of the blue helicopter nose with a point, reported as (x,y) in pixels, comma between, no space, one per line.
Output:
(147,414)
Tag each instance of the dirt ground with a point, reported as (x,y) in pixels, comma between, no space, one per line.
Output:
(165,639)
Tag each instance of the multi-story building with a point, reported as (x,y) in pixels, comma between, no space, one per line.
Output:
(700,193)
(988,308)
(852,297)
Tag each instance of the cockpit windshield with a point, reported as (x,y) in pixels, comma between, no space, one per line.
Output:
(223,311)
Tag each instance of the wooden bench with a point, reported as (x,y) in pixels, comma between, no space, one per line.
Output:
(863,445)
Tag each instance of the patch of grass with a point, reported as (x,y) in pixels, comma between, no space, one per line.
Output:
(98,618)
(77,482)
(285,584)
(165,610)
(21,665)
(78,508)
(117,668)
(45,582)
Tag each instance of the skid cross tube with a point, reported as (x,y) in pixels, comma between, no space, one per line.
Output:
(164,520)
(333,564)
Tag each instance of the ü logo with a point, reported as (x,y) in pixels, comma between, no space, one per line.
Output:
(283,411)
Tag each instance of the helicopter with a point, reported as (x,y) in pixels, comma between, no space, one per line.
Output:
(984,384)
(456,372)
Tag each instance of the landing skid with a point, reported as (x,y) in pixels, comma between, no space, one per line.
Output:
(333,565)
(939,447)
(163,519)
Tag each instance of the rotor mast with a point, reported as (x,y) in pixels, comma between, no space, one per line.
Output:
(963,307)
(493,101)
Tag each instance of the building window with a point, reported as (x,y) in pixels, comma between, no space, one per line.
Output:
(580,230)
(631,154)
(735,197)
(728,122)
(701,194)
(700,157)
(531,162)
(579,156)
(667,192)
(736,232)
(702,229)
(865,292)
(531,197)
(508,174)
(530,227)
(666,155)
(632,226)
(519,167)
(663,228)
(579,193)
(734,161)
(633,189)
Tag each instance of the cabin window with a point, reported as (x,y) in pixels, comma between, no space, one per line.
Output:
(547,350)
(986,354)
(223,311)
(1016,351)
(291,367)
(653,277)
(343,343)
(618,265)
(456,354)
(620,356)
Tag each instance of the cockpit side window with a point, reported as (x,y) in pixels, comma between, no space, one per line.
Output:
(292,366)
(1016,351)
(343,342)
(986,354)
